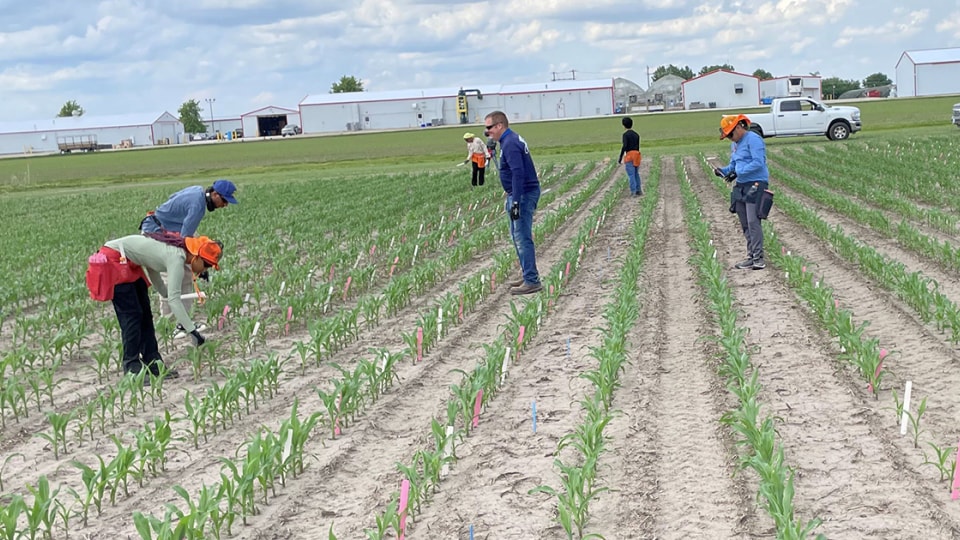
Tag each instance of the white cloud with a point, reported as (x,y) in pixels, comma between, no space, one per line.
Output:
(118,56)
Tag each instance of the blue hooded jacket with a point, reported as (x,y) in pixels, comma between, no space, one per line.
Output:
(517,171)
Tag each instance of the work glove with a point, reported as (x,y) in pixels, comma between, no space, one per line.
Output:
(515,211)
(197,338)
(731,177)
(716,171)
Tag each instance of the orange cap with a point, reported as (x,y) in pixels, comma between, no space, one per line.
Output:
(730,121)
(208,250)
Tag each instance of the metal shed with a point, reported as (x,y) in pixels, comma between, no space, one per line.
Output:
(929,72)
(790,86)
(399,109)
(268,121)
(721,89)
(88,133)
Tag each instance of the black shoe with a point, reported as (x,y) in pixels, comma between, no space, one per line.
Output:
(758,264)
(744,264)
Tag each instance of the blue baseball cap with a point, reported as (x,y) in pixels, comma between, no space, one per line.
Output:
(226,190)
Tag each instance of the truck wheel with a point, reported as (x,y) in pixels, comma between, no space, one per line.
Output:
(756,129)
(838,131)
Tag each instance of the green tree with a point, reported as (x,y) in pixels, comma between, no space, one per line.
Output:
(347,84)
(685,72)
(832,87)
(707,69)
(70,108)
(190,117)
(877,79)
(762,74)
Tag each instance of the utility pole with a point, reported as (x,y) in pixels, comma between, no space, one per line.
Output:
(648,77)
(210,104)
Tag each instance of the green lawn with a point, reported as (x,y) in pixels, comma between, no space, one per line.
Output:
(679,132)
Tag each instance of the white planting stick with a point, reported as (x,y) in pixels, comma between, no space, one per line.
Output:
(256,328)
(539,309)
(441,221)
(420,231)
(193,296)
(447,451)
(505,366)
(283,285)
(416,249)
(357,262)
(329,296)
(440,321)
(906,408)
(383,367)
(287,446)
(458,212)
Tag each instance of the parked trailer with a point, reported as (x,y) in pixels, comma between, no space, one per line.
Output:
(83,143)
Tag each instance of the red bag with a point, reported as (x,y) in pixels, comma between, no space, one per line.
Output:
(107,268)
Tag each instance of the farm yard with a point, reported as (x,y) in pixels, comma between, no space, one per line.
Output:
(368,375)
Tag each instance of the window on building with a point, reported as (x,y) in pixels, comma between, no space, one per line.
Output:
(738,88)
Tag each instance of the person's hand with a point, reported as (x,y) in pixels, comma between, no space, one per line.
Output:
(205,276)
(716,171)
(731,177)
(197,338)
(515,211)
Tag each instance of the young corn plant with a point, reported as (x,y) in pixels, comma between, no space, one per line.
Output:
(42,513)
(58,432)
(95,483)
(914,419)
(573,500)
(942,455)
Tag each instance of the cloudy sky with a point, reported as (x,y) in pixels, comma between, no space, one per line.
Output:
(130,56)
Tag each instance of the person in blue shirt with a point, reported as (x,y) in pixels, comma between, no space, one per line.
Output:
(748,167)
(181,215)
(518,176)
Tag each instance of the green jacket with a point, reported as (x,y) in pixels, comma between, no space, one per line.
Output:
(155,257)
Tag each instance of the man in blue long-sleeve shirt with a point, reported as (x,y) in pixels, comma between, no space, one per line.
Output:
(181,214)
(518,176)
(749,163)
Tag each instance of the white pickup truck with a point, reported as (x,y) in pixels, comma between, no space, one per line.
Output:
(795,116)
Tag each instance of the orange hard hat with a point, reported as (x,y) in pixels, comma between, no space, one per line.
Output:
(208,250)
(730,121)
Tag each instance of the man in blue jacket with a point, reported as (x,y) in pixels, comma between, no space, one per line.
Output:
(518,176)
(748,166)
(181,214)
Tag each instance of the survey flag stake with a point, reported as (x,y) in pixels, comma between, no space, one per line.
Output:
(393,266)
(906,408)
(286,327)
(346,287)
(223,318)
(955,488)
(447,451)
(471,531)
(505,366)
(533,410)
(476,408)
(404,500)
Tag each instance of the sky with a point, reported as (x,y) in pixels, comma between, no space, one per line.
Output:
(143,56)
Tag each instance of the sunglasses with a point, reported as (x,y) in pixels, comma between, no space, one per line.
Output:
(492,126)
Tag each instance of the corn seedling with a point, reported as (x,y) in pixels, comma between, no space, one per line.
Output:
(43,511)
(10,514)
(95,483)
(915,422)
(6,460)
(942,455)
(58,432)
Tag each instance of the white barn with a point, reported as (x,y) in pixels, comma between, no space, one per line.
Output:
(90,132)
(401,109)
(928,72)
(268,121)
(791,86)
(721,89)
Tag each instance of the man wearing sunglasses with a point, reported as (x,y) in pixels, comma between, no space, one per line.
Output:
(518,176)
(748,167)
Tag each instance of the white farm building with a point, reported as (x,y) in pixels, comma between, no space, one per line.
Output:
(268,121)
(721,89)
(400,109)
(791,86)
(929,72)
(88,133)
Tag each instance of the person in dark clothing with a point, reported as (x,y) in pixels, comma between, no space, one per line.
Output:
(630,156)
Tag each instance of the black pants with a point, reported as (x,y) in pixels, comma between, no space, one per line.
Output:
(132,305)
(476,178)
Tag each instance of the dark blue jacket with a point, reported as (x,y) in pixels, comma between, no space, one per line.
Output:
(517,172)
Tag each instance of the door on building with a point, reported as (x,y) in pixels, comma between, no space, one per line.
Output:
(561,109)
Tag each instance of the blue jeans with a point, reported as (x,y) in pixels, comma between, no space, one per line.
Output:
(522,232)
(633,173)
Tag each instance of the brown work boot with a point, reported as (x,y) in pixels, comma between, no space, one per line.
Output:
(526,288)
(516,283)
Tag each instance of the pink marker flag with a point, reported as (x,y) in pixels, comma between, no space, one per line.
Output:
(803,269)
(567,271)
(346,287)
(404,501)
(286,327)
(373,249)
(394,266)
(331,273)
(783,250)
(460,312)
(419,343)
(520,339)
(336,422)
(223,318)
(476,408)
(493,281)
(955,488)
